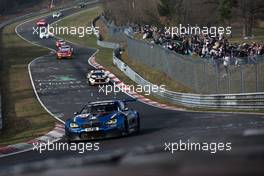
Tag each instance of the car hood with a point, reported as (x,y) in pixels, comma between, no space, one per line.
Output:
(84,118)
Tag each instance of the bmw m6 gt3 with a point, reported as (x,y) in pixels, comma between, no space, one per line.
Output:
(96,77)
(102,119)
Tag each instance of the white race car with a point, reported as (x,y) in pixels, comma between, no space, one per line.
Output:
(56,14)
(96,77)
(46,35)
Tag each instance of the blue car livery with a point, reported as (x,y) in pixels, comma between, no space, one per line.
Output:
(102,119)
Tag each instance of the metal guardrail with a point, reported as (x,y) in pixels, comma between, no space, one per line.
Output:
(223,101)
(107,44)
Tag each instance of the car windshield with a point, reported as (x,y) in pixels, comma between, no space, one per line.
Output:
(100,109)
(98,73)
(64,48)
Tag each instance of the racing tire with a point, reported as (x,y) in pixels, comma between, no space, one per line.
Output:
(138,125)
(66,139)
(90,83)
(126,130)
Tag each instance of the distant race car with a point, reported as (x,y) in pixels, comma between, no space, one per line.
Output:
(64,51)
(56,14)
(46,35)
(102,119)
(41,22)
(96,77)
(60,42)
(81,5)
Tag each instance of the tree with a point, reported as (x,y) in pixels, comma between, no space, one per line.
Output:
(250,11)
(132,11)
(225,10)
(174,11)
(166,8)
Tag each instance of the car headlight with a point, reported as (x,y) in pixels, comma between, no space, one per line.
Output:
(91,80)
(74,125)
(111,121)
(93,76)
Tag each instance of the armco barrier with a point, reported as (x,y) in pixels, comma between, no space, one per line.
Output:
(224,101)
(107,44)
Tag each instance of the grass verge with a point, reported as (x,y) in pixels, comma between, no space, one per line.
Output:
(24,118)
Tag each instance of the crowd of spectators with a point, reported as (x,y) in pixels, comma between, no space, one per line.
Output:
(217,49)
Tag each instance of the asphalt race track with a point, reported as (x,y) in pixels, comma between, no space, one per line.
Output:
(61,86)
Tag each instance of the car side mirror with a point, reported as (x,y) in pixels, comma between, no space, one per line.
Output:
(75,113)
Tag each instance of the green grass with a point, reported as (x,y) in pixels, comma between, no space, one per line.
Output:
(24,118)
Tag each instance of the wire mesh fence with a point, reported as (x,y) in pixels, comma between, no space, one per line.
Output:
(201,75)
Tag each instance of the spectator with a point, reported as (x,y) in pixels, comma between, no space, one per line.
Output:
(118,53)
(226,62)
(217,48)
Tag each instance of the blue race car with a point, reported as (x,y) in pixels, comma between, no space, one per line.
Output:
(102,119)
